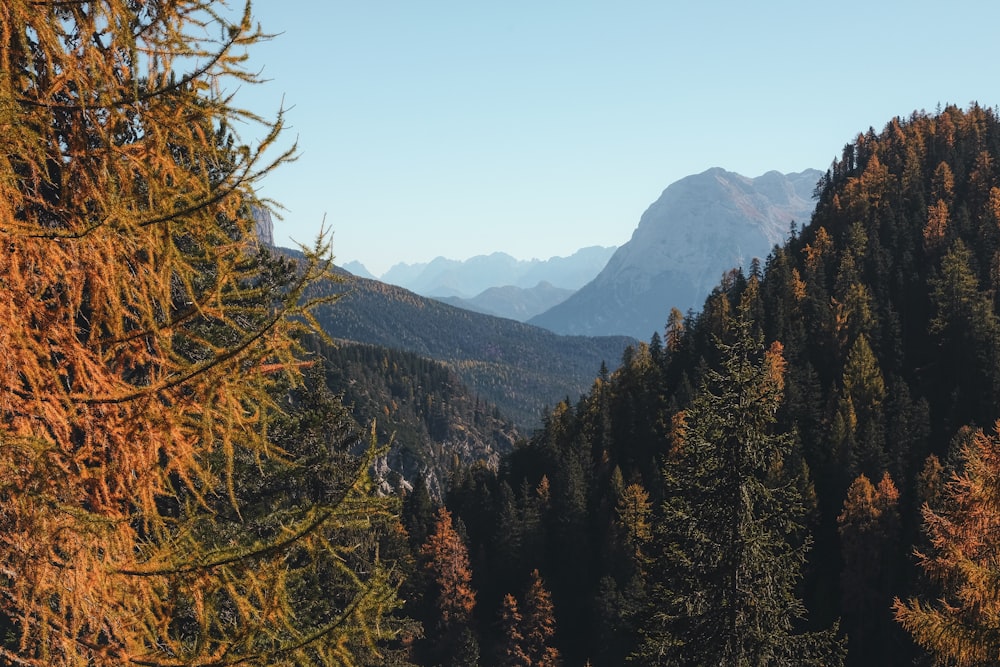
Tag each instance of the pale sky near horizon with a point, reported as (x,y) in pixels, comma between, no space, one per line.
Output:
(455,129)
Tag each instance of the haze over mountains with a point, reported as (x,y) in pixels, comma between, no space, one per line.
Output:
(700,227)
(443,277)
(515,303)
(496,284)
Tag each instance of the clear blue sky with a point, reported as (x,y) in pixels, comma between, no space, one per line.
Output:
(536,128)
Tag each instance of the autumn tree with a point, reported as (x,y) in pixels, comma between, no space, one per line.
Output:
(529,634)
(146,336)
(634,509)
(447,563)
(961,624)
(729,542)
(869,528)
(511,622)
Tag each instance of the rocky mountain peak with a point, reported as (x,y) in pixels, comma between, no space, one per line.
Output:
(699,227)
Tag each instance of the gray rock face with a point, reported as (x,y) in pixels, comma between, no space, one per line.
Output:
(699,228)
(264,225)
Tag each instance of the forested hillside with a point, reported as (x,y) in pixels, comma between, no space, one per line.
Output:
(806,472)
(420,407)
(821,432)
(519,368)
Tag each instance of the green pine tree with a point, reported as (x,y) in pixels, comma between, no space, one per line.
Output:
(729,546)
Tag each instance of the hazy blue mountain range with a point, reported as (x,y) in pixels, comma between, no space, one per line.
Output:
(444,277)
(700,227)
(516,303)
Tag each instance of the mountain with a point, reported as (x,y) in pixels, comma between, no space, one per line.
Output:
(873,336)
(516,303)
(444,277)
(519,368)
(358,269)
(700,227)
(420,407)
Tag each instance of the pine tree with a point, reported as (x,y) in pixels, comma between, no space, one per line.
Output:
(145,335)
(962,625)
(729,540)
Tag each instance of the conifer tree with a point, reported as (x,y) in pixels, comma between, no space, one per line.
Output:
(529,634)
(869,529)
(539,624)
(729,543)
(447,561)
(144,336)
(513,643)
(961,626)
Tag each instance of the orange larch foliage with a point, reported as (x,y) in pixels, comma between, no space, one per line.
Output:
(869,528)
(962,627)
(539,625)
(135,312)
(937,224)
(511,621)
(821,245)
(448,564)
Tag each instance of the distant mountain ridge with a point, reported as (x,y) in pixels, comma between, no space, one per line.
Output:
(700,227)
(515,303)
(444,277)
(358,269)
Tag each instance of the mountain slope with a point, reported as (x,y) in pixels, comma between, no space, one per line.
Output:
(519,368)
(700,227)
(420,407)
(516,303)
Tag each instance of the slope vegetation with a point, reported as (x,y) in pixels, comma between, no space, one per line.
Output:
(519,368)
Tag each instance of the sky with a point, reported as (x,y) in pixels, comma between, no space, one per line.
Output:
(440,128)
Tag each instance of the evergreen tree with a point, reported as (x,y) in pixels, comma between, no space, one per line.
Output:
(729,541)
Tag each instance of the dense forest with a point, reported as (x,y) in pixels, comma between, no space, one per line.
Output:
(804,472)
(421,409)
(520,369)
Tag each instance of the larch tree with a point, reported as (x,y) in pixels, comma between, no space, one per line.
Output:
(539,624)
(729,544)
(869,528)
(513,650)
(528,634)
(446,560)
(144,336)
(962,625)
